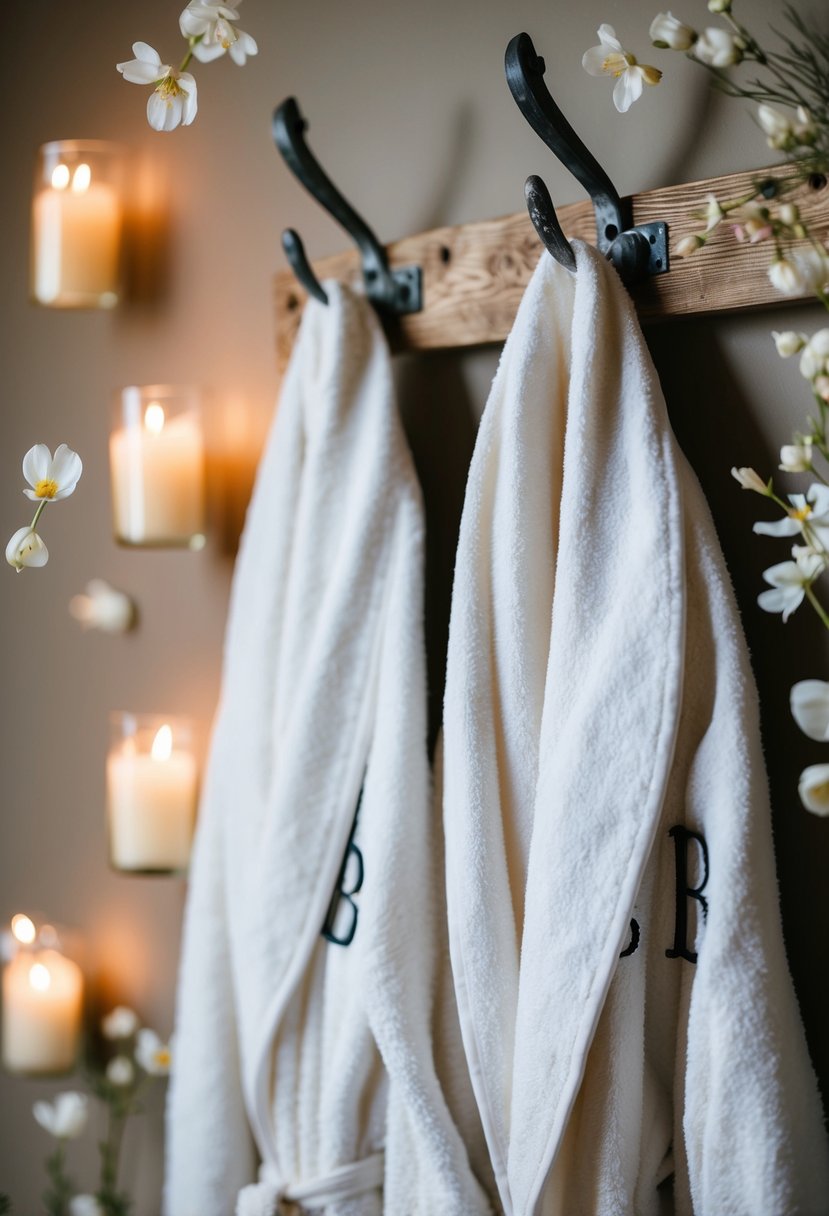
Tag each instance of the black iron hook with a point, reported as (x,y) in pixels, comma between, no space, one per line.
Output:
(635,252)
(391,291)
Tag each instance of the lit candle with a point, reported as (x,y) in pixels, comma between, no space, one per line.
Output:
(157,470)
(76,232)
(42,1003)
(152,804)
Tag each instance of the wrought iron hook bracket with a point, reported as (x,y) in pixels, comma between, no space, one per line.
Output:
(636,252)
(392,292)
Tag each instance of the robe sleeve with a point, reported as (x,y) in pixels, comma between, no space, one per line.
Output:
(753,1129)
(210,1151)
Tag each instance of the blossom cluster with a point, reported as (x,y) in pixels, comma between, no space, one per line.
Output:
(805,521)
(210,33)
(139,1055)
(50,479)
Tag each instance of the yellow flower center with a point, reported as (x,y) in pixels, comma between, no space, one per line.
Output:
(821,792)
(46,488)
(169,87)
(162,1057)
(616,63)
(801,513)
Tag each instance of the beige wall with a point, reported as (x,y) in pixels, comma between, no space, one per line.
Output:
(410,113)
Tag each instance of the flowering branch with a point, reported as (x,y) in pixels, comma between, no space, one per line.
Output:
(51,479)
(210,33)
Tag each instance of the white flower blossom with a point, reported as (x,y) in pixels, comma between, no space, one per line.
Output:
(717,48)
(750,480)
(796,457)
(174,100)
(154,1056)
(808,516)
(211,24)
(120,1071)
(776,125)
(789,581)
(688,245)
(66,1117)
(26,548)
(788,342)
(810,708)
(610,58)
(103,607)
(805,129)
(813,270)
(85,1205)
(713,213)
(668,32)
(120,1023)
(786,277)
(813,788)
(814,357)
(51,477)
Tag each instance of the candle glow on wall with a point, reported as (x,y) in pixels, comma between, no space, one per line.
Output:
(77,223)
(152,781)
(157,467)
(42,1003)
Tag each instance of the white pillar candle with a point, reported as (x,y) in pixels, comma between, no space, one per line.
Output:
(76,240)
(152,804)
(42,1004)
(157,470)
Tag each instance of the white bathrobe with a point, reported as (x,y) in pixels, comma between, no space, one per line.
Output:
(311,1056)
(627,1012)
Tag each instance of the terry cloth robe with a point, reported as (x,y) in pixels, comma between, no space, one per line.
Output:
(305,1054)
(627,1012)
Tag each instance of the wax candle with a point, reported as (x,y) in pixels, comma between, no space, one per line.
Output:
(151,797)
(77,220)
(42,1004)
(157,468)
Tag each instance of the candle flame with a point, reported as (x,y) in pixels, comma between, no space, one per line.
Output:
(81,179)
(162,747)
(60,177)
(39,978)
(23,929)
(154,418)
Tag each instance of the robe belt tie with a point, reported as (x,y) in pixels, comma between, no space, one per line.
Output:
(266,1197)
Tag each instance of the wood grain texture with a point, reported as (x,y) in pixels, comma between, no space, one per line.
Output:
(475,274)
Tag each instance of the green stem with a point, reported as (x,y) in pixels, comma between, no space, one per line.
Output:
(816,604)
(40,509)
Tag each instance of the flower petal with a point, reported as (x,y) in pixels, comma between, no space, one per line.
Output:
(146,53)
(137,72)
(809,702)
(593,61)
(782,527)
(66,470)
(36,464)
(813,788)
(607,35)
(627,89)
(206,52)
(45,1116)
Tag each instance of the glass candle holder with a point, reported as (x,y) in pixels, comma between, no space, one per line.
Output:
(152,780)
(77,222)
(42,1003)
(156,457)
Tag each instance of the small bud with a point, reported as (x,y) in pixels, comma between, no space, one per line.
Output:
(670,34)
(26,549)
(788,342)
(788,214)
(796,457)
(688,245)
(719,6)
(750,480)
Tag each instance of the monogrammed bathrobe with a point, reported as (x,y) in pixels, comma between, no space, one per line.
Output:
(304,1078)
(627,1012)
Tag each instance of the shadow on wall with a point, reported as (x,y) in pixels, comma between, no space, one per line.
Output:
(714,424)
(441,424)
